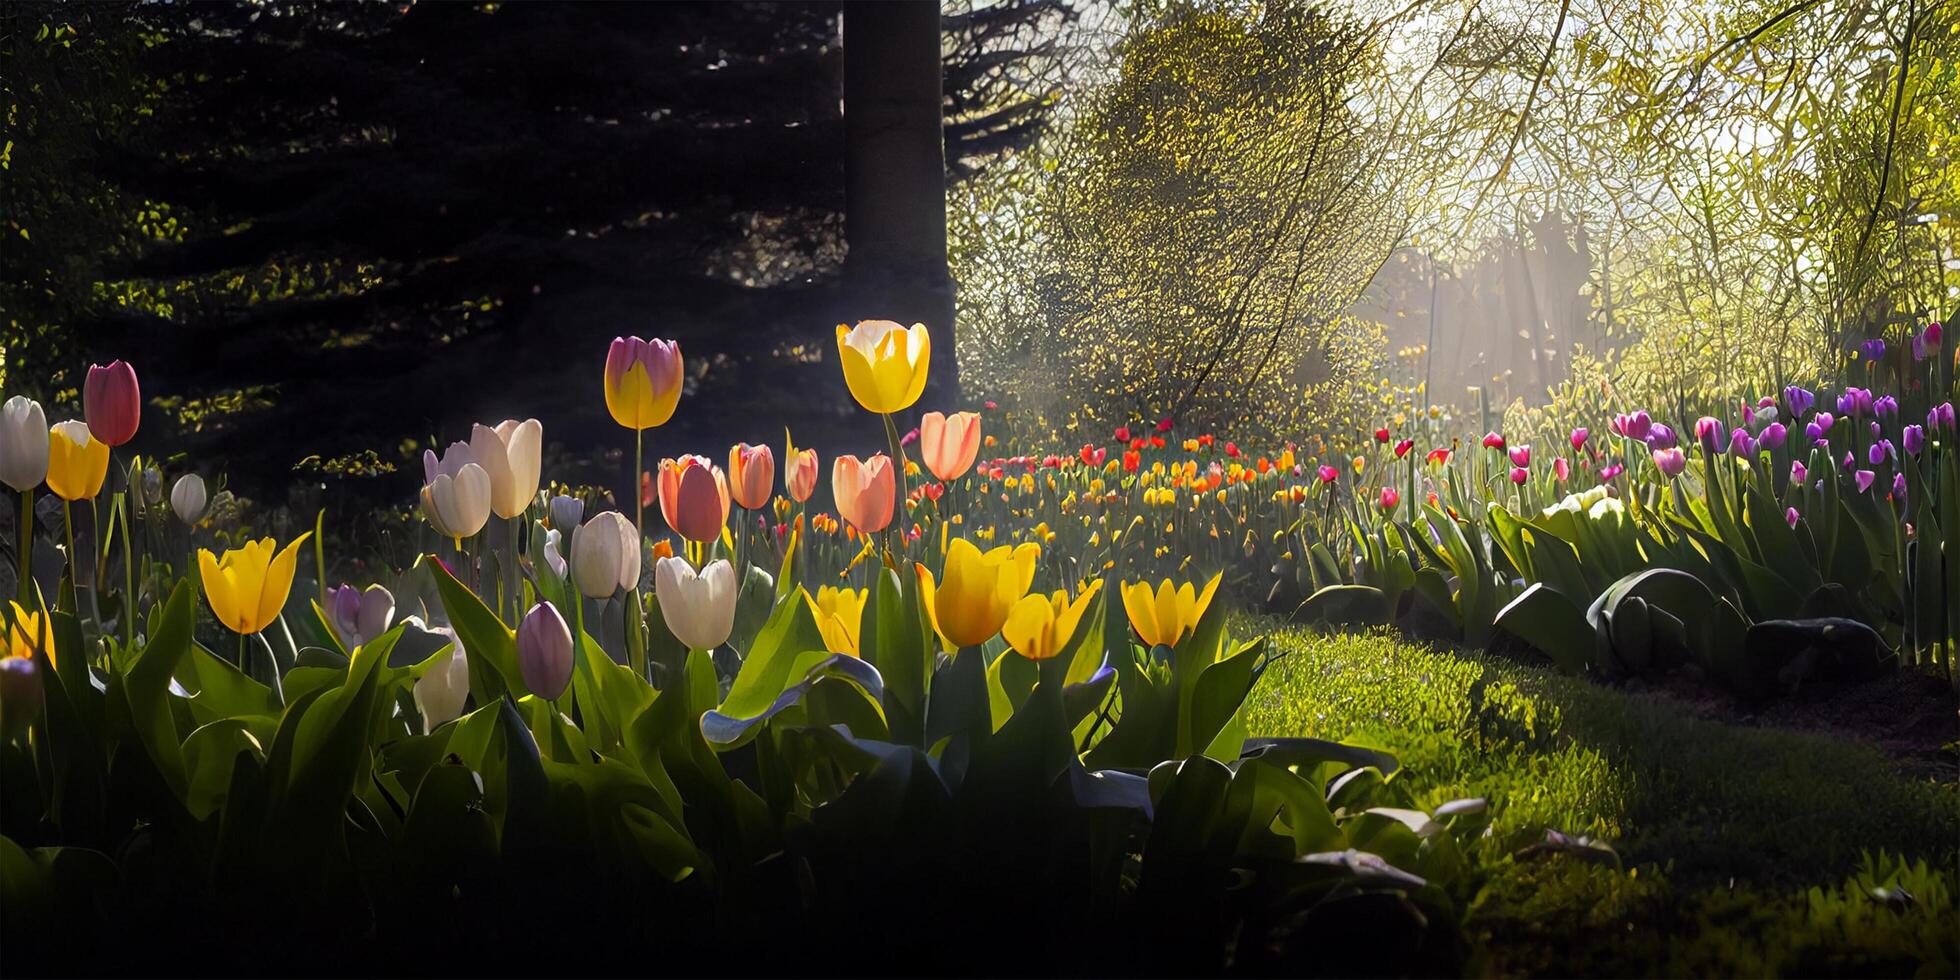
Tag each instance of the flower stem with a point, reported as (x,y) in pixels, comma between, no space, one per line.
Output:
(639,501)
(898,474)
(24,581)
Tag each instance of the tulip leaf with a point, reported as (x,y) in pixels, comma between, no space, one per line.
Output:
(209,756)
(146,687)
(725,729)
(788,646)
(490,645)
(1218,695)
(1552,625)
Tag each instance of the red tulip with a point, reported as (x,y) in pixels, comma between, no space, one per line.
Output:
(112,402)
(1493,441)
(1402,448)
(1328,474)
(1381,436)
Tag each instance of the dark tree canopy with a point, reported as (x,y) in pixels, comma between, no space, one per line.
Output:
(375,223)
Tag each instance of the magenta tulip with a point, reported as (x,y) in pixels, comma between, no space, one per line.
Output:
(112,402)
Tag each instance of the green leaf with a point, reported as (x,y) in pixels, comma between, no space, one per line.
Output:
(490,645)
(1552,625)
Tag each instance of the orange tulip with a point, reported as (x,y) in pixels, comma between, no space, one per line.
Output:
(864,490)
(751,475)
(800,470)
(693,497)
(949,445)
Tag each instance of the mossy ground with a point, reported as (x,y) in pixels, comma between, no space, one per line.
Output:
(1745,850)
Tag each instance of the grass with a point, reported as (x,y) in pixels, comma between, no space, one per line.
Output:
(1746,839)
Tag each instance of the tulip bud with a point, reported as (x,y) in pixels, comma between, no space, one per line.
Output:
(1790,516)
(1710,433)
(78,462)
(949,444)
(456,492)
(188,499)
(1799,473)
(1520,456)
(1578,438)
(360,616)
(441,693)
(20,695)
(864,491)
(1562,468)
(23,443)
(112,402)
(694,498)
(1915,439)
(1519,474)
(605,555)
(800,478)
(553,559)
(566,512)
(152,486)
(1740,444)
(544,651)
(1672,461)
(699,609)
(1774,435)
(643,381)
(509,455)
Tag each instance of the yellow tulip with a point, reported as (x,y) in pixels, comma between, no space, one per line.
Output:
(1038,627)
(28,632)
(884,363)
(1170,614)
(980,589)
(642,381)
(248,586)
(840,614)
(77,461)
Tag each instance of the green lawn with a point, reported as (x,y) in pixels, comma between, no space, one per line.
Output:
(1740,844)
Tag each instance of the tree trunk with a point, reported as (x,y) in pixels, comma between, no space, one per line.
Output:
(895,177)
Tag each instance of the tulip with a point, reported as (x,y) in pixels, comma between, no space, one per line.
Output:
(1381,436)
(1740,444)
(1439,457)
(1790,516)
(1493,441)
(979,590)
(1636,426)
(1940,417)
(1164,424)
(1578,438)
(693,498)
(248,586)
(1880,451)
(1661,436)
(884,363)
(1925,344)
(1402,448)
(1799,472)
(751,475)
(441,693)
(112,402)
(456,492)
(1864,479)
(1328,474)
(1608,473)
(78,462)
(544,651)
(699,608)
(800,470)
(23,444)
(1672,461)
(360,616)
(1849,460)
(188,498)
(1040,627)
(1519,474)
(642,382)
(1774,435)
(1915,439)
(1169,615)
(864,491)
(1855,402)
(1871,350)
(1799,400)
(509,455)
(1886,407)
(1390,499)
(1562,468)
(1710,433)
(605,555)
(566,512)
(840,617)
(948,444)
(554,557)
(1520,455)
(20,696)
(29,632)
(1899,488)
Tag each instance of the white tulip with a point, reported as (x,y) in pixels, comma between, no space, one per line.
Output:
(606,555)
(23,443)
(440,694)
(509,454)
(455,492)
(188,499)
(552,558)
(699,608)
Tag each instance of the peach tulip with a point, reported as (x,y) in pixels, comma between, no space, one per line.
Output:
(751,475)
(949,444)
(800,470)
(693,497)
(864,490)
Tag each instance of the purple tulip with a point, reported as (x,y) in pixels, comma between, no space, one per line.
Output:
(1791,516)
(1635,426)
(1660,436)
(1773,435)
(1799,472)
(1800,401)
(1671,461)
(1940,417)
(1710,433)
(1879,452)
(1864,479)
(1740,444)
(1899,488)
(1849,460)
(1886,407)
(1872,350)
(1813,432)
(1915,439)
(544,651)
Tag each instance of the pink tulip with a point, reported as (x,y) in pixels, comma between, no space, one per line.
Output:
(948,444)
(751,475)
(1672,461)
(1562,468)
(1390,498)
(864,491)
(1790,515)
(1579,438)
(693,497)
(112,402)
(1328,474)
(800,475)
(1519,474)
(1520,456)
